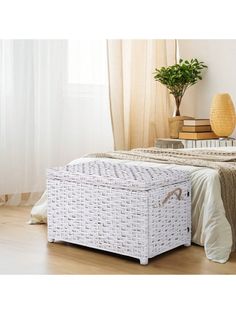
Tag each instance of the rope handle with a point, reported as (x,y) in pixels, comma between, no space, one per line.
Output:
(177,192)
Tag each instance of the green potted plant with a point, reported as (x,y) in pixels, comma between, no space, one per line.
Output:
(179,77)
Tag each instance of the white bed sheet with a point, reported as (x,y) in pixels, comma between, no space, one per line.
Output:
(210,228)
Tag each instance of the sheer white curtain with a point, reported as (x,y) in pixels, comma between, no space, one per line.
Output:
(54,107)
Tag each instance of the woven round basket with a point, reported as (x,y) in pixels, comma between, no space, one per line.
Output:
(222,115)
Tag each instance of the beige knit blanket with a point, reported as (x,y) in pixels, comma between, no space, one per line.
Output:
(223,162)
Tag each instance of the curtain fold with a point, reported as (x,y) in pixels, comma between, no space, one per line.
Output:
(140,106)
(20,199)
(47,118)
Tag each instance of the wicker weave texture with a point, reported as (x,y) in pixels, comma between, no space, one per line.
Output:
(138,216)
(222,115)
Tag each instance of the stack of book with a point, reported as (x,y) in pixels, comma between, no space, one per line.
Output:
(197,129)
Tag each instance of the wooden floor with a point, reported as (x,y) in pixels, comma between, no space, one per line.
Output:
(24,250)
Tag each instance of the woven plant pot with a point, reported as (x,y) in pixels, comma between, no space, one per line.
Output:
(176,124)
(222,115)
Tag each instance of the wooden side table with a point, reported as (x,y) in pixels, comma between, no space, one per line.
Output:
(179,143)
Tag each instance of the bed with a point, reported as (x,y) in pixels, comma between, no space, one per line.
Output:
(210,227)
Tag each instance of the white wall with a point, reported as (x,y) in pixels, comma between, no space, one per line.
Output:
(220,77)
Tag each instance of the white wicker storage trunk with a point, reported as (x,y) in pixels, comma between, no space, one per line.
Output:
(125,208)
